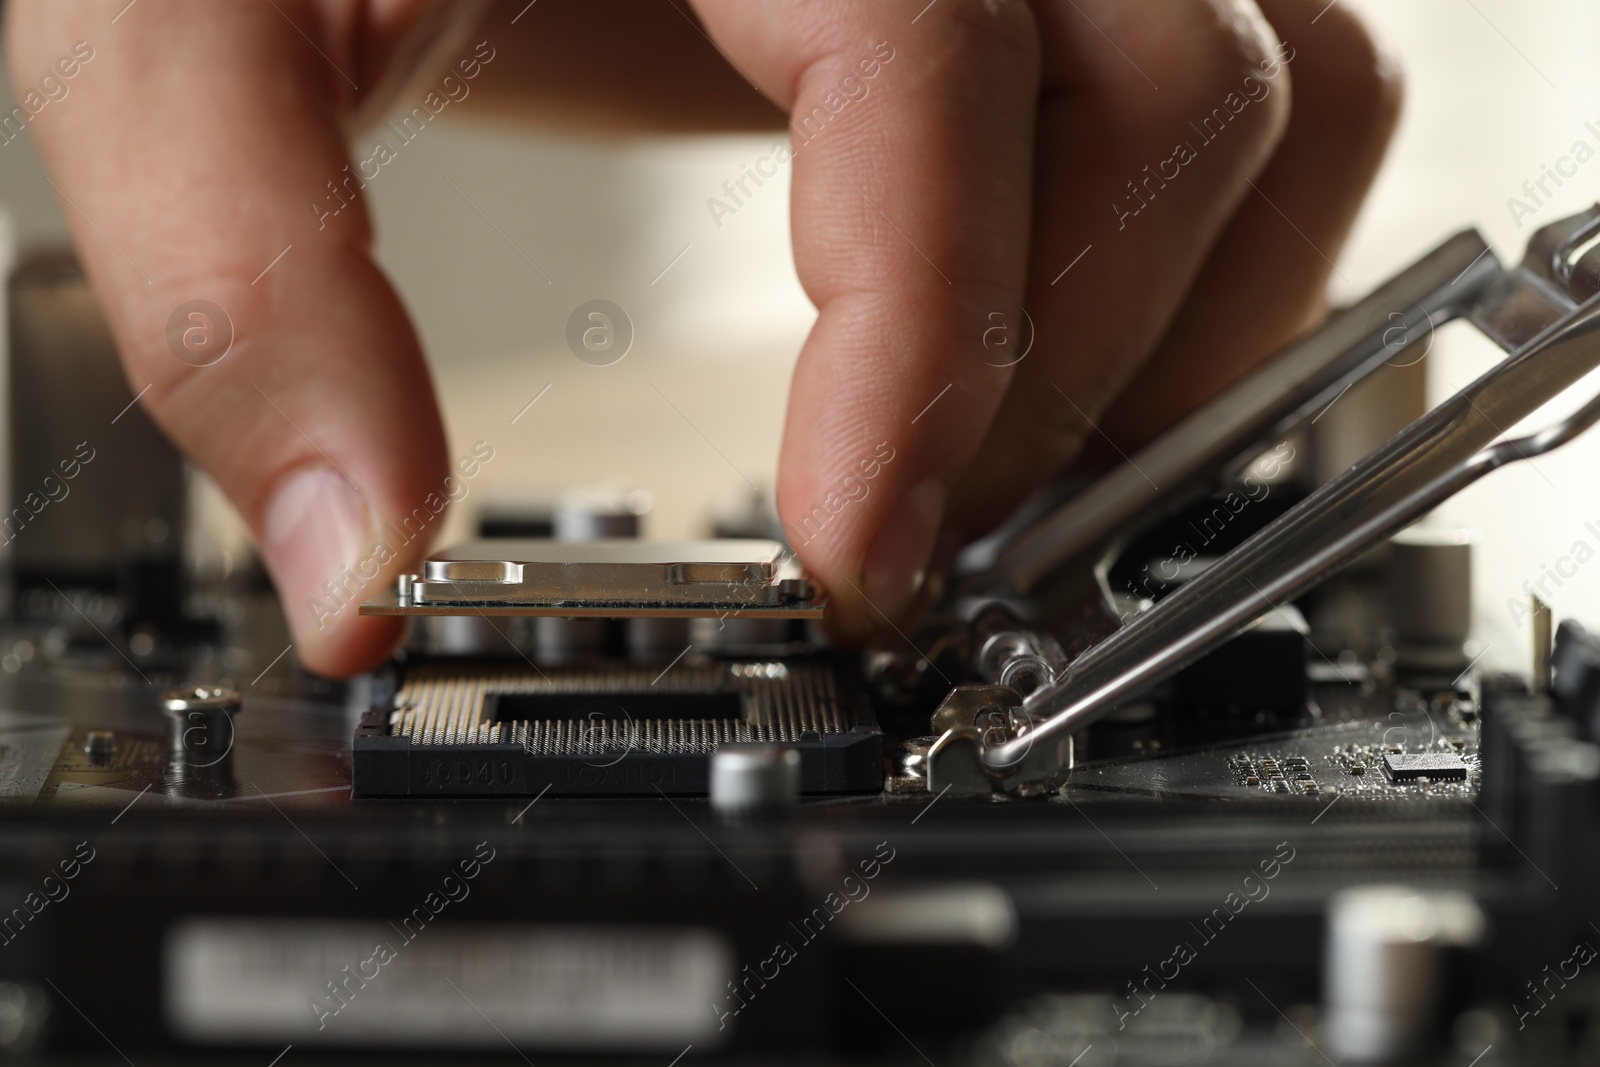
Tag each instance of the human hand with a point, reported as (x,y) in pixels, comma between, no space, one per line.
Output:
(983,156)
(1130,172)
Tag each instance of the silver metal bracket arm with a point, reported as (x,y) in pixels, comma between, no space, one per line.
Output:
(1545,313)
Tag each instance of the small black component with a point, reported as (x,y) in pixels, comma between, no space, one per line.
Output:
(1438,766)
(1576,681)
(1263,669)
(1359,768)
(529,519)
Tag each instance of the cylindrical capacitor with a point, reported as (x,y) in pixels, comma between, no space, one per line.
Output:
(598,513)
(741,636)
(754,776)
(563,640)
(100,746)
(588,513)
(200,723)
(467,635)
(1389,969)
(1575,681)
(654,639)
(1430,597)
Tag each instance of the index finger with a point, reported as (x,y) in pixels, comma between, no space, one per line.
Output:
(911,199)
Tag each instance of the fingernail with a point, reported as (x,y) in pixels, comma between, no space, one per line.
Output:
(897,563)
(313,537)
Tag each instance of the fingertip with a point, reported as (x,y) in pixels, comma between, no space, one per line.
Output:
(320,543)
(896,565)
(883,590)
(352,644)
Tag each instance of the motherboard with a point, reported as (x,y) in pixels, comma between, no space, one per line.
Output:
(620,799)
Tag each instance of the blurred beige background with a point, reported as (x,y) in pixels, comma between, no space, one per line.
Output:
(694,411)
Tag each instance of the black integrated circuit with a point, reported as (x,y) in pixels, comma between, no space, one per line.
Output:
(1434,766)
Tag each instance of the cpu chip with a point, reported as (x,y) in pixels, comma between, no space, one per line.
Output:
(618,578)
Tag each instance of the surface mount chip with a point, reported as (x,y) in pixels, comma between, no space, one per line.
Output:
(1435,766)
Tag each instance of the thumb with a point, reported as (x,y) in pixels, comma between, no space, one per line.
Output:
(210,197)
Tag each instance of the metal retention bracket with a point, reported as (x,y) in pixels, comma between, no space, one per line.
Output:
(1545,313)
